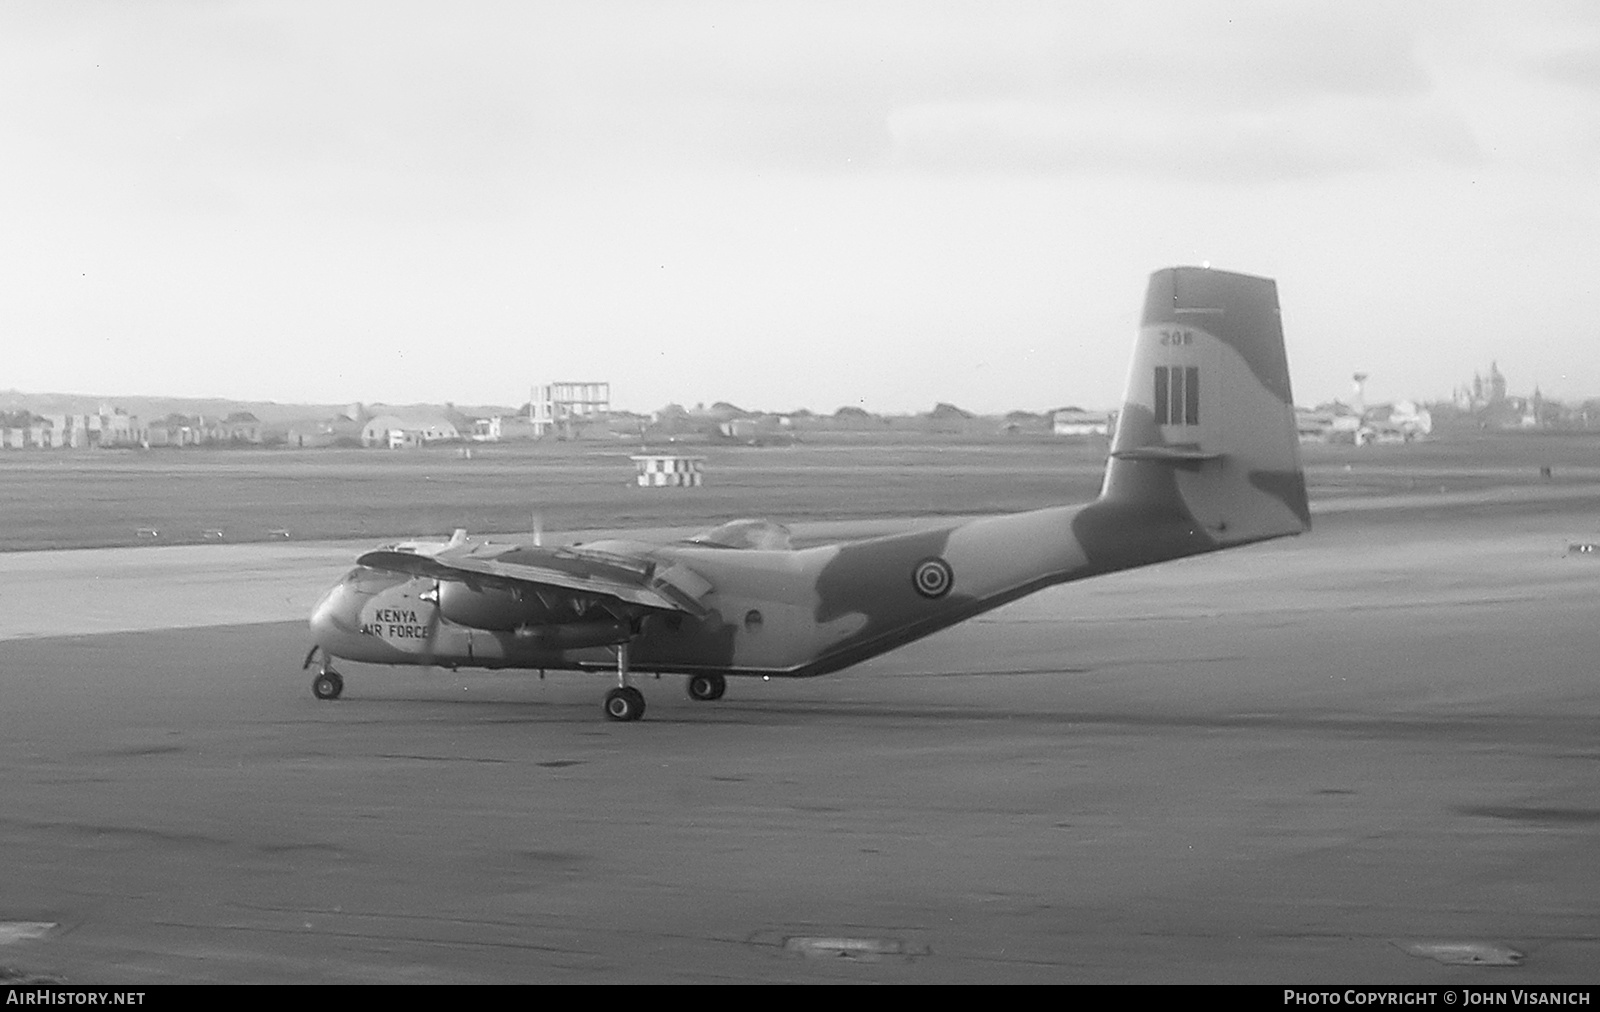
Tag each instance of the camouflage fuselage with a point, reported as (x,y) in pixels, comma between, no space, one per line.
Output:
(792,613)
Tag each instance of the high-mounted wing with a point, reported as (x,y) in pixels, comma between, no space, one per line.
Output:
(623,578)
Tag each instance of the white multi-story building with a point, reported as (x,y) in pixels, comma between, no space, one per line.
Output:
(559,405)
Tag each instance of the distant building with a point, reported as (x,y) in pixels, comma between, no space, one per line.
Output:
(487,430)
(739,428)
(177,430)
(1313,425)
(339,430)
(515,427)
(1412,419)
(763,430)
(69,431)
(1337,422)
(397,431)
(1483,392)
(563,405)
(1078,422)
(117,428)
(106,427)
(239,427)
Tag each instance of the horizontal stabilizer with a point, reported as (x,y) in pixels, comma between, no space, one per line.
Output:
(1171,454)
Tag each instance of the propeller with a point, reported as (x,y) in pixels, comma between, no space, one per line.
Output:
(432,597)
(457,537)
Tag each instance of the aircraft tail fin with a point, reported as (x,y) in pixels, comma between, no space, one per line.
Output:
(1206,447)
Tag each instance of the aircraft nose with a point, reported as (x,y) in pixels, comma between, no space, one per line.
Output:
(331,614)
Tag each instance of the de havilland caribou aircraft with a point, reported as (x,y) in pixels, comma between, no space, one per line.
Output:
(1205,457)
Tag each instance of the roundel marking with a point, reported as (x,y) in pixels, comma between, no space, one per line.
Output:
(932,578)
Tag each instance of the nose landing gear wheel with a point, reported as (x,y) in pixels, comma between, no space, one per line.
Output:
(625,703)
(707,687)
(327,685)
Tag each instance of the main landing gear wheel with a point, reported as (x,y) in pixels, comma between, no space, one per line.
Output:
(707,687)
(625,703)
(327,685)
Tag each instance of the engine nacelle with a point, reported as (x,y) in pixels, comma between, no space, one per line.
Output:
(574,636)
(491,608)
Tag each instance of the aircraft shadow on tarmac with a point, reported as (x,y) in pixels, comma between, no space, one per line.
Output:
(392,708)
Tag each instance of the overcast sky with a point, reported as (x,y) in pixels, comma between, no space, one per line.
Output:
(784,205)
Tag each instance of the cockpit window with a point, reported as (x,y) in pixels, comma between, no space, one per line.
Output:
(762,534)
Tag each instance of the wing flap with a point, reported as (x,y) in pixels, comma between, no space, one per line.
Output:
(684,586)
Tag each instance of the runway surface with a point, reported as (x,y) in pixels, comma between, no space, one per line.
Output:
(1300,762)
